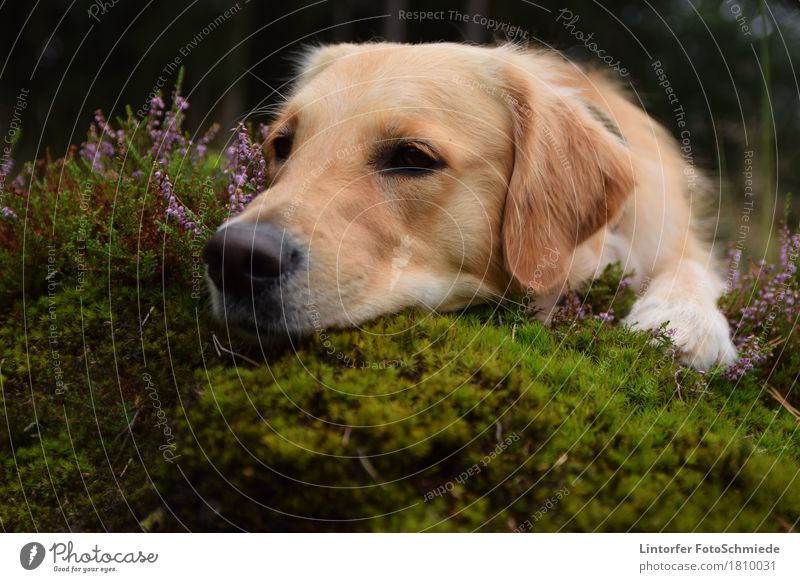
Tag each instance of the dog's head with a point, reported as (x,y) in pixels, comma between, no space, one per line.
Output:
(416,175)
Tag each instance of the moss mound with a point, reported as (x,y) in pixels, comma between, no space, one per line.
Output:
(125,408)
(476,430)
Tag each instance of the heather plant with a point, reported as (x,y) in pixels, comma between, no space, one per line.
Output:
(128,408)
(126,189)
(608,298)
(763,306)
(246,168)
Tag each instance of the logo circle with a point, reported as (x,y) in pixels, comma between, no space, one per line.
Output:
(31,555)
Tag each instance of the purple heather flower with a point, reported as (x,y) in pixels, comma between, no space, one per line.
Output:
(751,353)
(8,213)
(165,128)
(201,147)
(663,334)
(174,208)
(772,296)
(6,168)
(606,316)
(246,167)
(99,148)
(572,309)
(777,292)
(25,174)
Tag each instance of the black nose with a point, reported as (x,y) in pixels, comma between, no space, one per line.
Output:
(246,258)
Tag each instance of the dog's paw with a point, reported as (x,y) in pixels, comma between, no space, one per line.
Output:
(701,332)
(544,307)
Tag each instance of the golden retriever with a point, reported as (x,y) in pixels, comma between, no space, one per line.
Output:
(441,175)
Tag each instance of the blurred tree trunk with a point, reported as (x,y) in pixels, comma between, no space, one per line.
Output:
(769,191)
(342,17)
(394,28)
(475,32)
(235,103)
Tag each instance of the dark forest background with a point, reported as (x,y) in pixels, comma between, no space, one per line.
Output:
(730,62)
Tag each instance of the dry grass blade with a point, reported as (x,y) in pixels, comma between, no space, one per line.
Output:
(783,402)
(220,348)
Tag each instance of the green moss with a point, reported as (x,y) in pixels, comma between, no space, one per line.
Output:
(122,413)
(270,448)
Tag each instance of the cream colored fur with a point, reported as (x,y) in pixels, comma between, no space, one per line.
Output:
(550,173)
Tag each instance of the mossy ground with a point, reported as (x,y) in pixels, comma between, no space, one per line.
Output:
(124,409)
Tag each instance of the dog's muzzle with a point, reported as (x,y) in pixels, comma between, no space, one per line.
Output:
(248,260)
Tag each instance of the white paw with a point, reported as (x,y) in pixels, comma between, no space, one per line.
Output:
(544,307)
(701,331)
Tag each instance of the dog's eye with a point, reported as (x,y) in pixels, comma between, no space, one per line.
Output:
(282,146)
(410,159)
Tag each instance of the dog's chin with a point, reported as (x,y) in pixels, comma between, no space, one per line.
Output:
(272,336)
(270,330)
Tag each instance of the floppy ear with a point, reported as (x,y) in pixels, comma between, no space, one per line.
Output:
(572,175)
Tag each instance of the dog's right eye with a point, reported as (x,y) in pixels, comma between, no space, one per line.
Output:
(410,159)
(282,146)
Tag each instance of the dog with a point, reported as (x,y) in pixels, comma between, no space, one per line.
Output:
(442,175)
